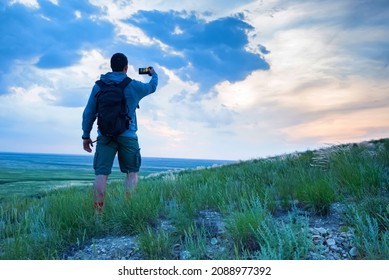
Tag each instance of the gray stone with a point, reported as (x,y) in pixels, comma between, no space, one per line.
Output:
(335,248)
(330,242)
(353,252)
(185,255)
(321,231)
(317,239)
(214,241)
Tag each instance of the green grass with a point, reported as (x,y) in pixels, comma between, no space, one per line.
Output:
(372,240)
(248,195)
(283,241)
(243,224)
(156,244)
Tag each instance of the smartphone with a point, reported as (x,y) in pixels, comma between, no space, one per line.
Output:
(144,71)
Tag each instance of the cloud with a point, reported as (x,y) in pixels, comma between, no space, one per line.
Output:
(327,81)
(358,27)
(204,52)
(52,35)
(32,124)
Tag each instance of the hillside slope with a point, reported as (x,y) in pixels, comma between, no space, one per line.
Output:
(330,203)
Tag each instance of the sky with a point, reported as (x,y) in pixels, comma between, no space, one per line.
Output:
(238,80)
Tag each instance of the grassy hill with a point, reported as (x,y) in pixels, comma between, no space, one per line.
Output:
(267,208)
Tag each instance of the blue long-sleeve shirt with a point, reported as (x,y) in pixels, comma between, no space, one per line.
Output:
(134,92)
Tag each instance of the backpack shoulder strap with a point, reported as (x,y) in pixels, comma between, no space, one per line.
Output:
(101,84)
(125,82)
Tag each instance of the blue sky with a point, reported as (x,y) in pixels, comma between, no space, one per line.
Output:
(238,79)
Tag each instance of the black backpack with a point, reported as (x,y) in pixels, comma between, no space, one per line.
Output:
(112,110)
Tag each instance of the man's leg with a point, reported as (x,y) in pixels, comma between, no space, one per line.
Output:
(100,187)
(129,162)
(130,183)
(102,163)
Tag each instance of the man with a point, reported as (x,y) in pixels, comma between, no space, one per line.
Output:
(126,144)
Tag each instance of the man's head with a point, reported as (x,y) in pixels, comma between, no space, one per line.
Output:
(118,62)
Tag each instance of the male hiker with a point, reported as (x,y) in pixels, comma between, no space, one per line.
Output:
(115,135)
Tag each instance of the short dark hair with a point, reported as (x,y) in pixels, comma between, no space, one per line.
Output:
(118,62)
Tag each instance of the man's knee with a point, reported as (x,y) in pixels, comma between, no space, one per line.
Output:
(132,176)
(132,179)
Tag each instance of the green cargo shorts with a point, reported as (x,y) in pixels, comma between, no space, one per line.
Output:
(128,154)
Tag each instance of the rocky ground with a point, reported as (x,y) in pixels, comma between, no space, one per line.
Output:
(332,240)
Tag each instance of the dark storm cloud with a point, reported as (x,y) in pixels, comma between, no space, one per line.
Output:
(52,34)
(212,51)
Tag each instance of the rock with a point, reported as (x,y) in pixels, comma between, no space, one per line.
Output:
(321,231)
(330,242)
(337,256)
(343,234)
(317,239)
(315,256)
(353,252)
(167,226)
(176,252)
(185,255)
(109,248)
(335,248)
(212,222)
(214,241)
